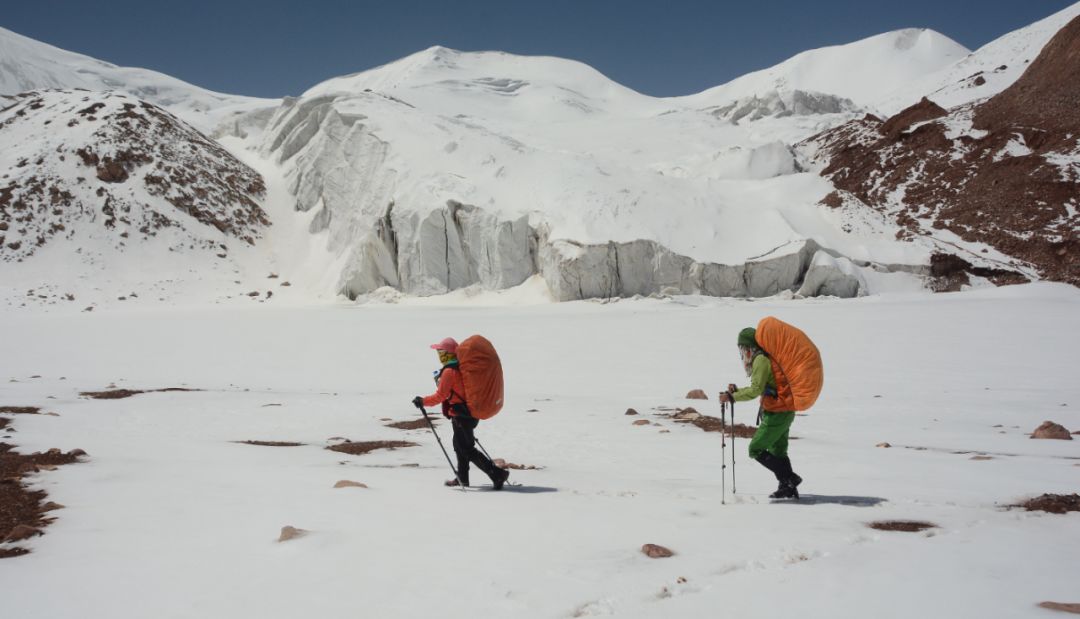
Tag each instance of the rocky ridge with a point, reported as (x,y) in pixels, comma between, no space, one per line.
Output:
(112,165)
(997,176)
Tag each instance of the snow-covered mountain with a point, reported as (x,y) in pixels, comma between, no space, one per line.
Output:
(451,170)
(26,64)
(448,169)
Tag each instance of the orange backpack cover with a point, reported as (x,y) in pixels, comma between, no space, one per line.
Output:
(481,371)
(796,364)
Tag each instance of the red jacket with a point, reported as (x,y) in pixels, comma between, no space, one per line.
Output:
(451,390)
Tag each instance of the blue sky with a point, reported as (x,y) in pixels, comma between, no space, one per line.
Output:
(274,47)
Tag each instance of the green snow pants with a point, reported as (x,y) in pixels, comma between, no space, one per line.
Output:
(772,434)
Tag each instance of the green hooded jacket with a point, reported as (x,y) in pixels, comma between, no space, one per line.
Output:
(761,376)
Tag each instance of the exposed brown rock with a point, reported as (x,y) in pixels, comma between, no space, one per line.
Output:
(20,410)
(687,414)
(1062,606)
(885,445)
(714,424)
(922,111)
(271,443)
(22,510)
(410,424)
(907,526)
(357,449)
(642,422)
(631,411)
(654,551)
(118,394)
(21,532)
(1051,430)
(697,394)
(1052,503)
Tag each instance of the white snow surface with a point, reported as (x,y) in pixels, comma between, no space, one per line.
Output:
(27,64)
(167,516)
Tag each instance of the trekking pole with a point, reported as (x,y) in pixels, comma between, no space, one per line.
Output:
(439,440)
(723,452)
(732,445)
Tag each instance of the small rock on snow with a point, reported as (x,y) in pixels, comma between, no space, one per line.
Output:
(1069,608)
(654,551)
(696,394)
(1049,429)
(288,533)
(345,483)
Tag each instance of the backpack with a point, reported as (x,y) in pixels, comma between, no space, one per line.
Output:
(796,365)
(481,371)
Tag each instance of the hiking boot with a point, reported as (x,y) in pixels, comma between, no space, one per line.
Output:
(789,488)
(785,491)
(453,483)
(499,478)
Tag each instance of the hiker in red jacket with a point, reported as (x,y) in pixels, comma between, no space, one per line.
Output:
(451,395)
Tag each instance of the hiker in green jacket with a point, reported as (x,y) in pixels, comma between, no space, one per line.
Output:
(770,443)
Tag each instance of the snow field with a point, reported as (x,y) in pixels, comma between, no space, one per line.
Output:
(168,516)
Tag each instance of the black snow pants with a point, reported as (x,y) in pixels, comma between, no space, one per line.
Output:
(466,451)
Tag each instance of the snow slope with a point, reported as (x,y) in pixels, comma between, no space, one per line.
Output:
(27,64)
(169,517)
(985,72)
(862,71)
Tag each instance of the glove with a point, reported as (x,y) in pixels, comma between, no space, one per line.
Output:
(418,402)
(732,388)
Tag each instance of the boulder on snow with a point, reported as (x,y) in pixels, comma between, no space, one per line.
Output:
(654,551)
(697,394)
(886,445)
(1049,429)
(345,483)
(288,533)
(631,411)
(641,422)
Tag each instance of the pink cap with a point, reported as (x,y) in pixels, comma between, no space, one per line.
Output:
(449,345)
